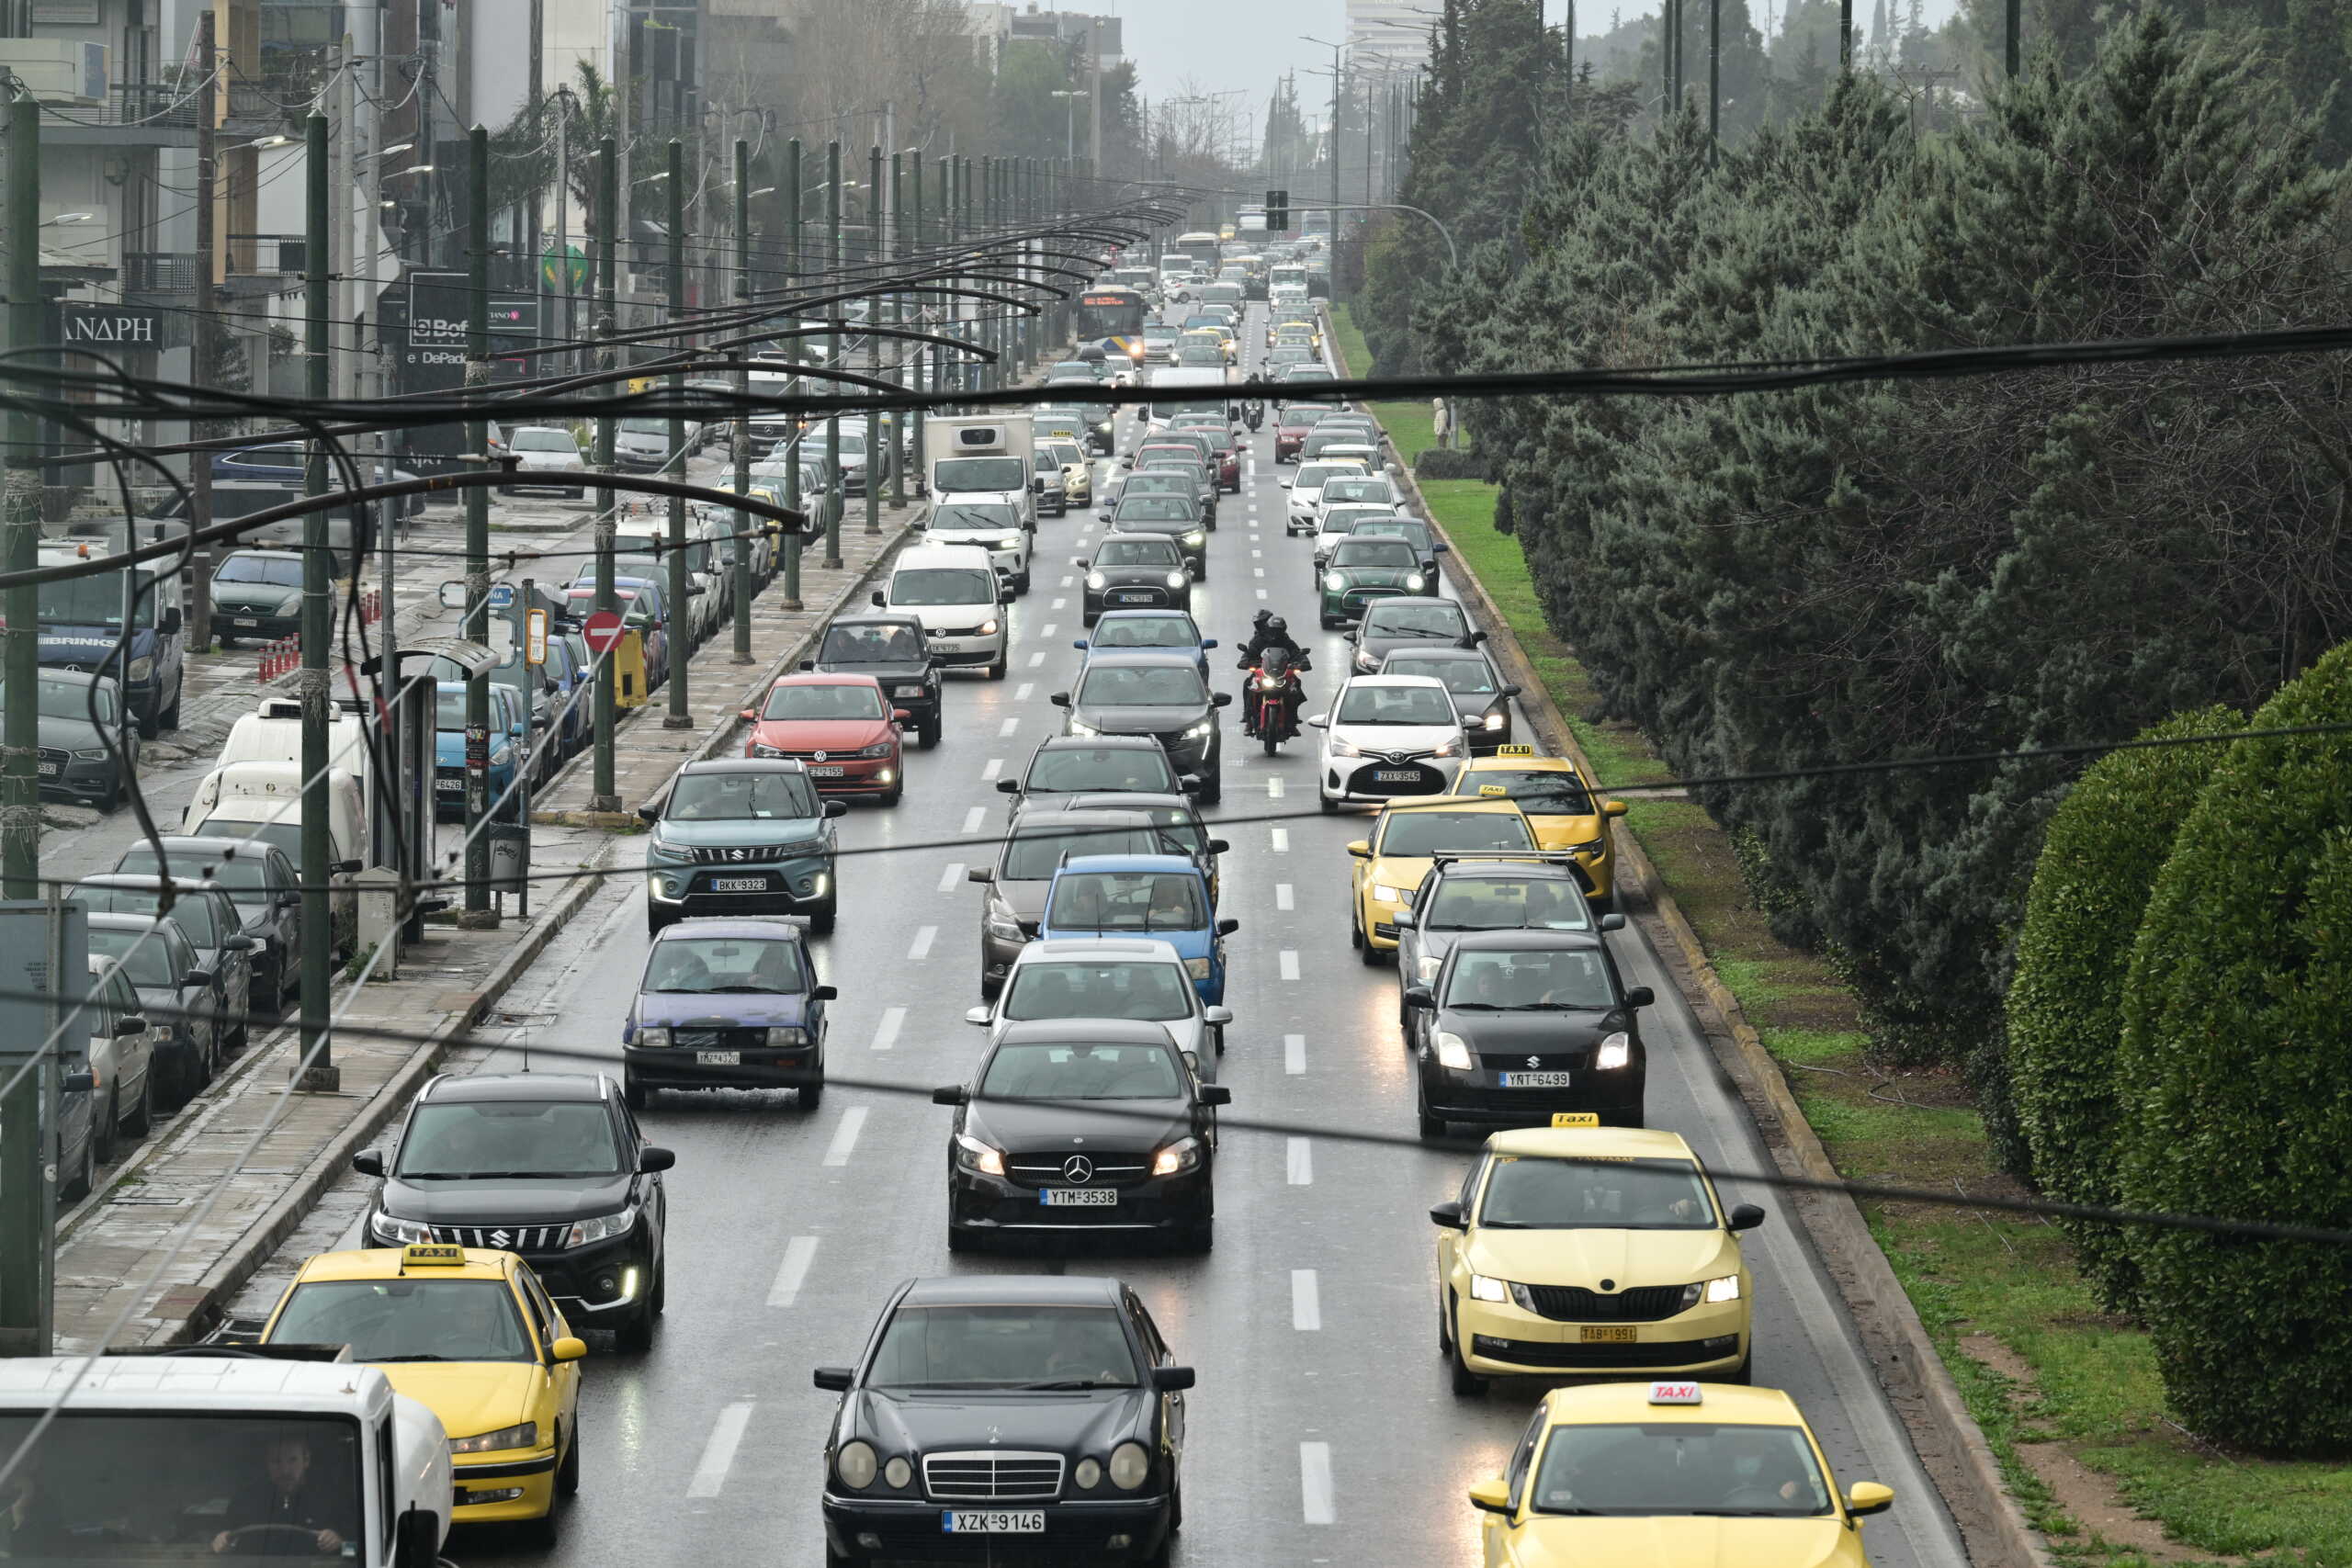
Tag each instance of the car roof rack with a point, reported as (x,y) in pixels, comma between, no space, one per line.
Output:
(1548,857)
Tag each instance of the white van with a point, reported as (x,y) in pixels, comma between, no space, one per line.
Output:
(263,800)
(273,733)
(954,591)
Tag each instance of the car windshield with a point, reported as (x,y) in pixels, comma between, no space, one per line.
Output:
(145,956)
(545,441)
(1411,530)
(1544,980)
(943,585)
(1496,903)
(1137,552)
(1679,1468)
(1530,1192)
(1152,990)
(823,701)
(244,875)
(1415,620)
(1358,490)
(408,1319)
(1081,1072)
(1155,686)
(70,699)
(1160,331)
(950,475)
(1413,831)
(1554,792)
(485,1138)
(1145,631)
(1394,704)
(1067,453)
(1127,901)
(702,964)
(191,911)
(286,832)
(872,645)
(1375,553)
(275,572)
(967,1345)
(92,601)
(741,797)
(1312,475)
(1034,854)
(1112,770)
(1464,677)
(1154,509)
(979,515)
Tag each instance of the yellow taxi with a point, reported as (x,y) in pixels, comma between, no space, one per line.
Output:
(1207,337)
(1560,803)
(467,1333)
(1296,329)
(1406,834)
(1673,1474)
(1590,1249)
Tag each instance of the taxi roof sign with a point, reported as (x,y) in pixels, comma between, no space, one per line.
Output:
(432,1255)
(1514,750)
(1576,1119)
(1493,790)
(1676,1393)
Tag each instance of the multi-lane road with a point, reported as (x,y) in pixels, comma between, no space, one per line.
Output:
(1322,1429)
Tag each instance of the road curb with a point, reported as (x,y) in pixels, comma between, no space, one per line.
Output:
(1926,1399)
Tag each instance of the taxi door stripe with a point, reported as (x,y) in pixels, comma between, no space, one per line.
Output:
(718,1453)
(798,1253)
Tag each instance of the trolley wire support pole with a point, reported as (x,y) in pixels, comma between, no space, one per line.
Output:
(742,421)
(27,1196)
(477,914)
(316,1071)
(1714,79)
(899,246)
(678,717)
(204,333)
(792,446)
(927,360)
(874,425)
(833,357)
(602,794)
(2012,25)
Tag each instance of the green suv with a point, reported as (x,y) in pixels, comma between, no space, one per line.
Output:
(1361,570)
(742,837)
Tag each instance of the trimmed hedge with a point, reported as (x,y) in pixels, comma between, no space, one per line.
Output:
(2105,844)
(2237,1100)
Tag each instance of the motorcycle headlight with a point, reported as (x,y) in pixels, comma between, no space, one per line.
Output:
(1130,1465)
(1452,1053)
(1096,579)
(1181,1156)
(142,668)
(1334,581)
(1724,1290)
(523,1435)
(974,1155)
(1483,1289)
(400,1232)
(653,1038)
(856,1465)
(1497,721)
(1617,1051)
(1198,968)
(787,1035)
(603,1227)
(988,627)
(1175,580)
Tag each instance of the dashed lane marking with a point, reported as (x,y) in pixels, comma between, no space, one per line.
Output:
(1315,1483)
(921,948)
(1282,895)
(995,766)
(886,1033)
(1295,1054)
(845,1136)
(1290,964)
(798,1253)
(954,872)
(1306,1301)
(973,818)
(1280,836)
(718,1451)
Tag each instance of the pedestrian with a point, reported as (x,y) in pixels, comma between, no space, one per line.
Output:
(1442,421)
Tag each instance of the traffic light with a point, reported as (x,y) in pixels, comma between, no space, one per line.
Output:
(1277,211)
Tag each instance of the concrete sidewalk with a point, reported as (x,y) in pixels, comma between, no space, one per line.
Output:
(188,1217)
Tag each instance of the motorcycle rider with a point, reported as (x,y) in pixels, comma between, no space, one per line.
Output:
(1268,630)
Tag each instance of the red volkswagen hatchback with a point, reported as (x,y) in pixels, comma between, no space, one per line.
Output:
(840,727)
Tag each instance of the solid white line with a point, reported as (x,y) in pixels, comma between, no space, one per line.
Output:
(954,872)
(1036,659)
(1300,1163)
(1009,727)
(1290,964)
(886,1033)
(995,766)
(1295,1054)
(1315,1482)
(921,948)
(973,818)
(798,1253)
(1306,1301)
(718,1453)
(1021,692)
(845,1136)
(1280,836)
(1282,895)
(1273,789)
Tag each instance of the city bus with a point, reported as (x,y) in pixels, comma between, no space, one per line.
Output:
(1205,248)
(1113,317)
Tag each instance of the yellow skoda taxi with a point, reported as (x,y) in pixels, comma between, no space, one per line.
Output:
(1408,833)
(1588,1249)
(467,1333)
(1673,1474)
(1560,803)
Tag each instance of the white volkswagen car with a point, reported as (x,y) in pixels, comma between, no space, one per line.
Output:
(1389,738)
(1306,489)
(1125,977)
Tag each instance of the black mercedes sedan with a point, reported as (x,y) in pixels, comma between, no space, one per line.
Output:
(1006,1418)
(1525,1024)
(1158,694)
(1098,1125)
(888,645)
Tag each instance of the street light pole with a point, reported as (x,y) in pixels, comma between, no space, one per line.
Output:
(793,449)
(314,1068)
(834,343)
(603,795)
(478,912)
(679,716)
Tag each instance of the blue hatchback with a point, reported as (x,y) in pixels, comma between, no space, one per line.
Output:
(449,748)
(728,1003)
(1163,896)
(1155,631)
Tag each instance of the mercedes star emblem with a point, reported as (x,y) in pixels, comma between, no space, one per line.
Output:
(1078,1169)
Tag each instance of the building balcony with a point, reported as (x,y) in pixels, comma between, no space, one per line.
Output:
(162,272)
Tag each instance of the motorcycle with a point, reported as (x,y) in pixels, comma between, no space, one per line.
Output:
(1274,696)
(1254,414)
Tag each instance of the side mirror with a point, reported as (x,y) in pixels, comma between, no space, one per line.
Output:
(568,1348)
(1080,644)
(1476,638)
(1450,1215)
(1189,784)
(1216,1017)
(1207,643)
(348,867)
(1285,484)
(976,1016)
(1511,691)
(836,809)
(1439,547)
(834,1380)
(1175,1379)
(979,874)
(170,619)
(878,602)
(747,714)
(1221,699)
(1219,846)
(950,1094)
(1419,997)
(1059,699)
(1613,809)
(825,994)
(648,814)
(129,1023)
(1491,1496)
(1745,1217)
(1360,848)
(1008,786)
(804,664)
(1869,1497)
(239,944)
(1402,920)
(1226,928)
(417,1536)
(368,1162)
(1613,922)
(202,978)
(1215,1094)
(1640,997)
(650,1159)
(1319,721)
(1077,560)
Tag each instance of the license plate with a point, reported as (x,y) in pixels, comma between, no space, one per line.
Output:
(738,884)
(449,786)
(49,770)
(826,771)
(1398,775)
(244,621)
(1608,1333)
(720,1058)
(1079,1198)
(1535,1081)
(1133,598)
(959,1521)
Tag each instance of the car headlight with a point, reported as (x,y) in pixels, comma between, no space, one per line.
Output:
(400,1232)
(1001,922)
(1589,847)
(879,748)
(1079,726)
(1199,731)
(1413,583)
(1130,1465)
(760,749)
(1345,747)
(1088,1474)
(97,756)
(1453,1052)
(974,1155)
(788,1034)
(856,1465)
(1426,966)
(1334,581)
(798,848)
(603,1227)
(522,1435)
(1382,893)
(1181,1156)
(1617,1051)
(989,627)
(1198,968)
(659,850)
(653,1038)
(1196,538)
(1724,1290)
(1497,721)
(1447,748)
(897,1474)
(1483,1289)
(1175,580)
(1104,427)
(1011,542)
(142,668)
(1366,661)
(1096,579)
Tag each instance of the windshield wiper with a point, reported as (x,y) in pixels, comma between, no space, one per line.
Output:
(1473,1007)
(529,1175)
(388,1360)
(1066,1385)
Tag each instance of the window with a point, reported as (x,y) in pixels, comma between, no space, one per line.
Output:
(1528,1192)
(872,645)
(743,797)
(1679,1467)
(813,702)
(246,875)
(1494,904)
(1412,831)
(1004,1347)
(409,1319)
(1523,1456)
(93,601)
(285,833)
(1553,792)
(1463,677)
(1154,552)
(943,585)
(545,441)
(1127,901)
(1546,980)
(709,965)
(1145,631)
(1151,991)
(984,515)
(1078,769)
(1374,554)
(461,1139)
(147,958)
(1035,855)
(950,475)
(1415,620)
(1081,1072)
(273,570)
(1144,686)
(1153,509)
(1395,705)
